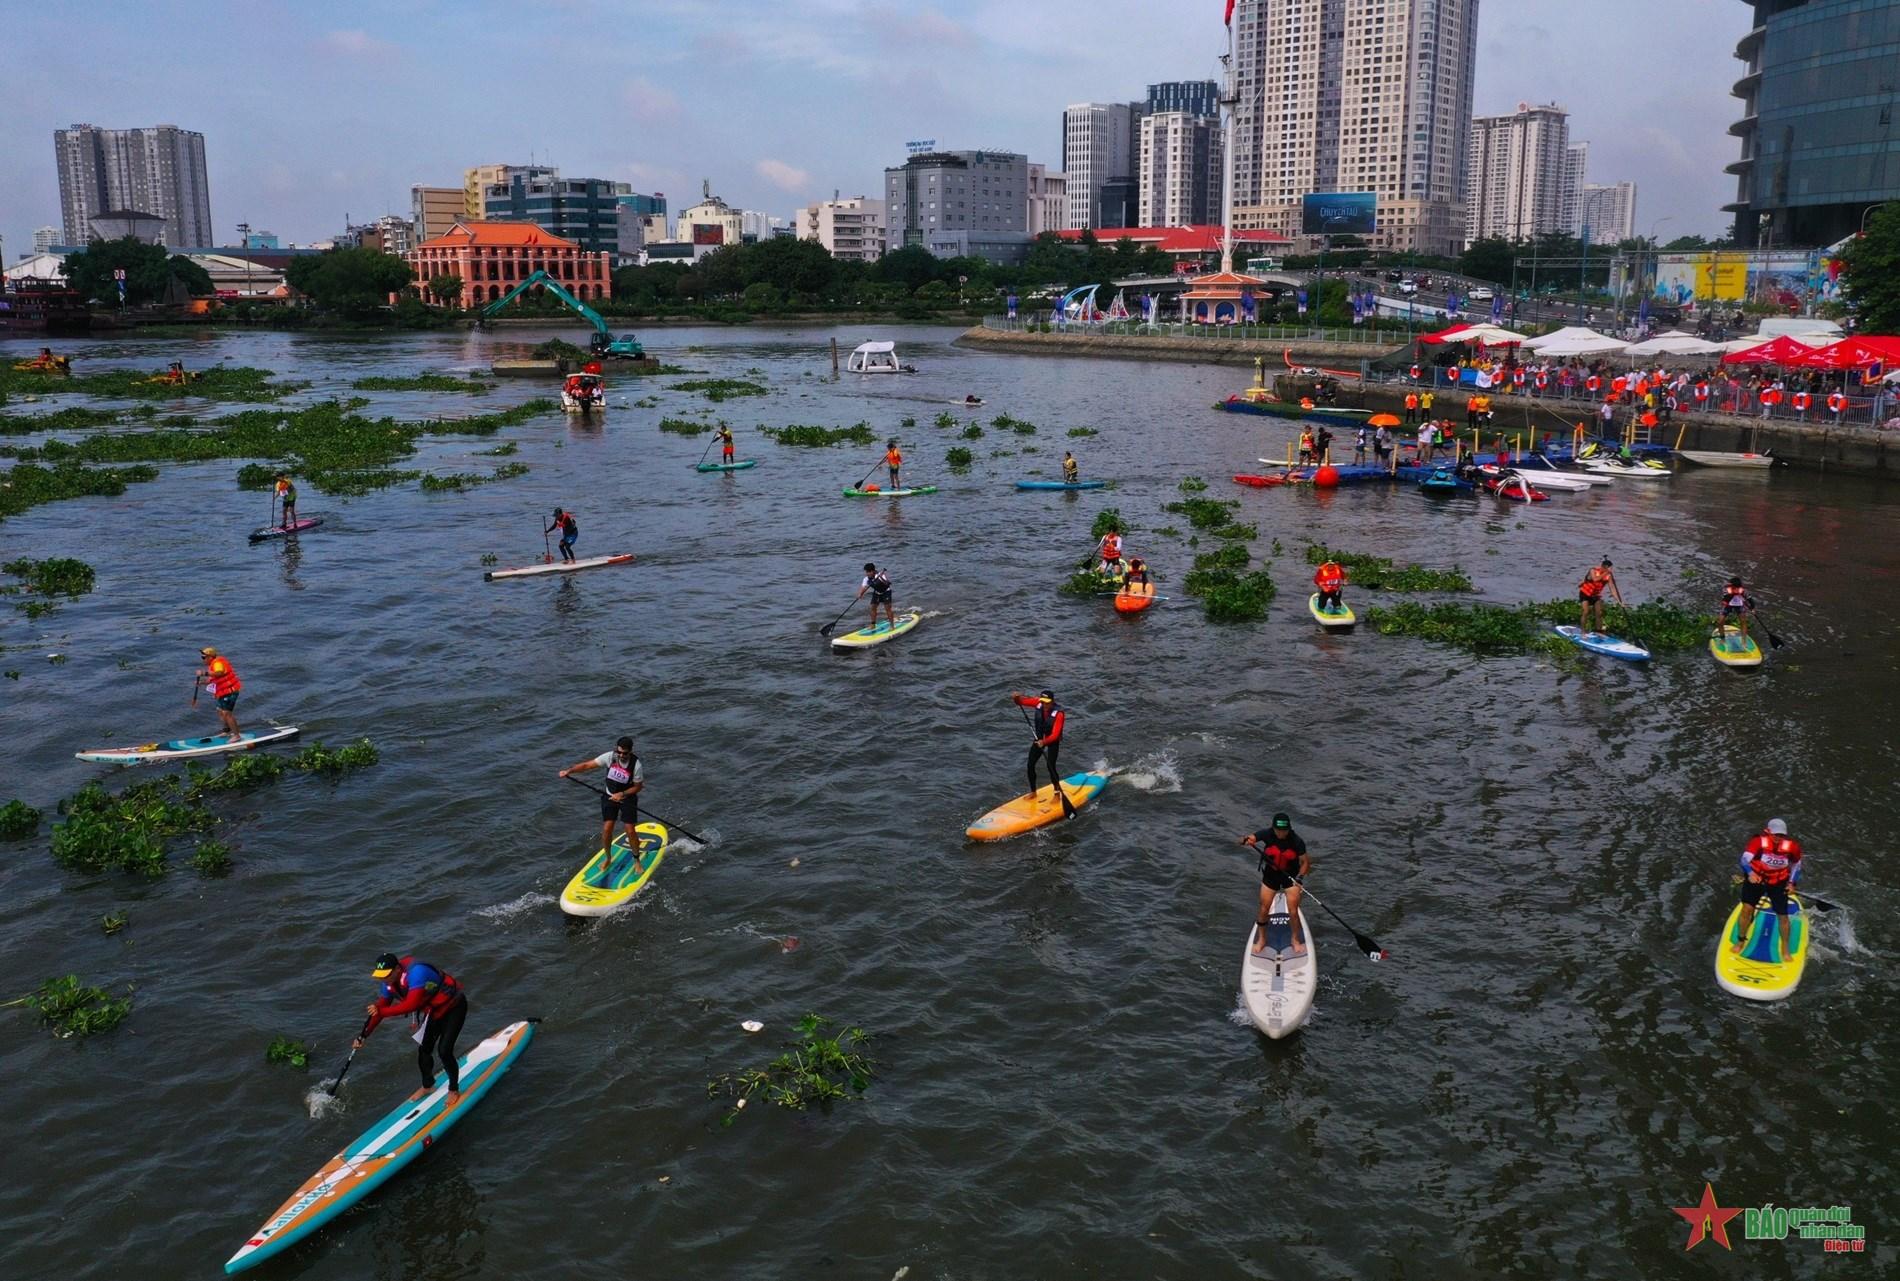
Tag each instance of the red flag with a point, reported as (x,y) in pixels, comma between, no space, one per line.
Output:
(1229,19)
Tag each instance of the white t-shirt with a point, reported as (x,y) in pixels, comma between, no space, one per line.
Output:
(606,760)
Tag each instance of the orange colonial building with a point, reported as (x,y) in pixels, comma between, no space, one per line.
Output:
(493,257)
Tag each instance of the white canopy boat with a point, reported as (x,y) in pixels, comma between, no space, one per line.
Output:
(877,358)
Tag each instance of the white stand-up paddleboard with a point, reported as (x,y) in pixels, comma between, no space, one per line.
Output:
(179,749)
(559,567)
(1278,983)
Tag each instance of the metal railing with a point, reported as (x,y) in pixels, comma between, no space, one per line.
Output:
(1743,405)
(1378,337)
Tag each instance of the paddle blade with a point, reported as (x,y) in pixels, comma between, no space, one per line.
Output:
(1370,947)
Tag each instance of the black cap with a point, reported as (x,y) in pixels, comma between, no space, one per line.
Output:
(1049,694)
(1734,582)
(1281,820)
(386,965)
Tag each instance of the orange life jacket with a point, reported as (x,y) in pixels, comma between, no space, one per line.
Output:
(223,679)
(893,458)
(1592,585)
(1329,577)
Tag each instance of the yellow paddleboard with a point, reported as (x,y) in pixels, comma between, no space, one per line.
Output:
(1760,972)
(608,882)
(1341,617)
(1037,809)
(1733,649)
(865,637)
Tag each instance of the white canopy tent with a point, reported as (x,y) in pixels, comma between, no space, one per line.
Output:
(1575,340)
(1675,343)
(1489,335)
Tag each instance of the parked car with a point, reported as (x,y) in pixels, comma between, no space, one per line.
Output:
(1408,287)
(1479,293)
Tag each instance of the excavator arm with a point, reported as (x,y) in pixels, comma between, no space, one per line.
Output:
(602,335)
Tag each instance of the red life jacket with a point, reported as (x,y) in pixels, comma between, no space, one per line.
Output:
(1774,858)
(1329,577)
(1591,587)
(223,678)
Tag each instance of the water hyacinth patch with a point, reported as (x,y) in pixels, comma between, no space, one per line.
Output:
(815,1070)
(1381,574)
(72,1009)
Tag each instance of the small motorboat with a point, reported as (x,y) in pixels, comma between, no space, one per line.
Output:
(1716,458)
(585,392)
(1549,480)
(1442,481)
(1634,469)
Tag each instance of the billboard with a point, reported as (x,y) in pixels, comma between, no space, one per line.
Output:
(709,233)
(1339,213)
(1736,275)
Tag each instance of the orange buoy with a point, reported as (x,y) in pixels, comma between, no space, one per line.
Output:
(1327,477)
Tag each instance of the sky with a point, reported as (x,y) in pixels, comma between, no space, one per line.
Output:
(314,113)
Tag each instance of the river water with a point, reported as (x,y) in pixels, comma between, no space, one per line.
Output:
(1540,1071)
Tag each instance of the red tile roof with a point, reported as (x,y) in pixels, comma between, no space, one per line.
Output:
(498,234)
(1199,238)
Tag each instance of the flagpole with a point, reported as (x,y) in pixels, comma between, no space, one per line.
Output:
(1230,101)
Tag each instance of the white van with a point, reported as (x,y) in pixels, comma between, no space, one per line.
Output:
(1808,326)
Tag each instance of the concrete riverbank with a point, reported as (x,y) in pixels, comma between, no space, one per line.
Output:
(1813,445)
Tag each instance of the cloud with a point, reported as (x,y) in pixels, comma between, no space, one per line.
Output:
(783,176)
(360,45)
(649,102)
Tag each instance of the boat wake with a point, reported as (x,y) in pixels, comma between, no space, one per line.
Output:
(533,900)
(1158,773)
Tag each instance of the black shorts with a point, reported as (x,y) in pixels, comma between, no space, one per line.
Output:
(610,809)
(880,598)
(1588,599)
(1752,892)
(1274,879)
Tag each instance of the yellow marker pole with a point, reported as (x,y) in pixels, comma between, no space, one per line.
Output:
(1681,431)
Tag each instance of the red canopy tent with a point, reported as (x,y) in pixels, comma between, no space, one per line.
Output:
(1849,353)
(1784,350)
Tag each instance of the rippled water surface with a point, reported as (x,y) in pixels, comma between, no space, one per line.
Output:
(1542,1069)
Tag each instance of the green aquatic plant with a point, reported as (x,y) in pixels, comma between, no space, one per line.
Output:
(684,426)
(1228,597)
(217,383)
(102,832)
(973,431)
(1232,556)
(959,457)
(18,820)
(909,420)
(1083,431)
(346,483)
(57,576)
(27,486)
(559,349)
(211,859)
(809,436)
(946,420)
(74,418)
(815,1070)
(421,382)
(112,922)
(1107,520)
(1492,630)
(1193,485)
(282,1050)
(1238,532)
(717,389)
(1659,626)
(318,759)
(1087,582)
(1003,422)
(456,482)
(502,450)
(1380,574)
(1166,531)
(72,1009)
(1205,513)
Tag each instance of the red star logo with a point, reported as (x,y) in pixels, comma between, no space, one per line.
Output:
(1707,1219)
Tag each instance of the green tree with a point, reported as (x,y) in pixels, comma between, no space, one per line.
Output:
(1488,259)
(789,265)
(1870,273)
(913,266)
(149,271)
(355,282)
(1686,244)
(447,287)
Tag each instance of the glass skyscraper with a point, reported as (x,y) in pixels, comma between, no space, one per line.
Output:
(1820,91)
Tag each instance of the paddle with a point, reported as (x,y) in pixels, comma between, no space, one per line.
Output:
(867,475)
(547,549)
(273,507)
(826,629)
(678,827)
(1369,946)
(196,685)
(705,451)
(334,1085)
(1774,641)
(1818,904)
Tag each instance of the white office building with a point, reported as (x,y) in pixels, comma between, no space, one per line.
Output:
(1607,211)
(1048,200)
(158,171)
(1179,170)
(851,230)
(1099,145)
(1356,96)
(1518,175)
